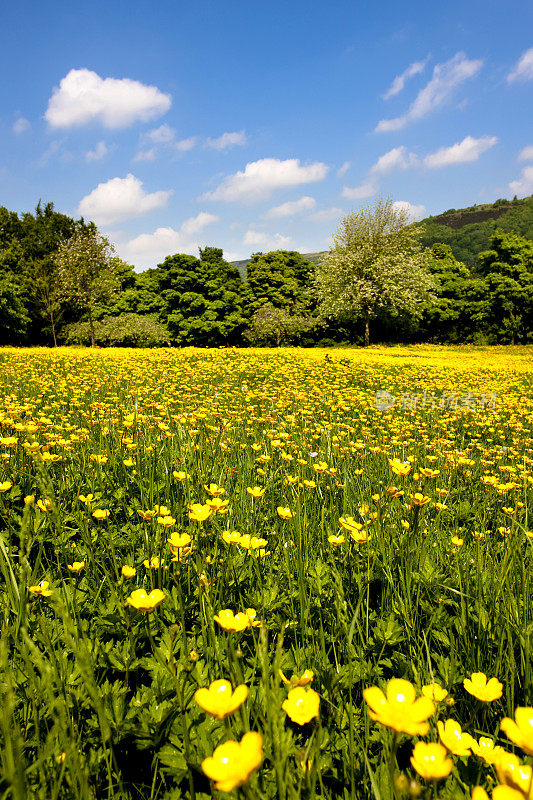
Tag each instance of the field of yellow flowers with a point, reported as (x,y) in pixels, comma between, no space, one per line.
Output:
(271,573)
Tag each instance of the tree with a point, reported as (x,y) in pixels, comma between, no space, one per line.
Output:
(14,319)
(451,317)
(271,325)
(88,271)
(376,263)
(507,270)
(198,298)
(279,278)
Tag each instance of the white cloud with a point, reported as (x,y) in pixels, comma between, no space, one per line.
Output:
(400,80)
(461,152)
(445,78)
(21,125)
(186,144)
(260,178)
(414,212)
(145,155)
(162,138)
(524,185)
(119,199)
(194,225)
(268,241)
(162,135)
(397,158)
(237,138)
(291,207)
(55,151)
(84,97)
(326,214)
(360,192)
(526,154)
(149,249)
(99,152)
(523,70)
(344,169)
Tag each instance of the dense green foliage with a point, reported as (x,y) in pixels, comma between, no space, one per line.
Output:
(480,258)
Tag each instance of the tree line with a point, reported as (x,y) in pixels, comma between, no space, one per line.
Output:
(61,282)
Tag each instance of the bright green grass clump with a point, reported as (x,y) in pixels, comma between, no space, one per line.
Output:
(280,574)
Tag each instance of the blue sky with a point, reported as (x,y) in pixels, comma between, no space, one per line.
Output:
(257,125)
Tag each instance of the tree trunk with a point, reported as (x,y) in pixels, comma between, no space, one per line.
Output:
(91,325)
(53,328)
(367,328)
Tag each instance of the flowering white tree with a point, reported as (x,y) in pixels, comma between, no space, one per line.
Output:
(88,271)
(376,262)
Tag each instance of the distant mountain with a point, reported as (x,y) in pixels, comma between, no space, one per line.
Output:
(466,230)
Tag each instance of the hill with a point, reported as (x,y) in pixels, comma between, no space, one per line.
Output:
(466,230)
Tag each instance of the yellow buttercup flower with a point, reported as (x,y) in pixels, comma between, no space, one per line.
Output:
(76,567)
(399,467)
(166,522)
(520,731)
(217,505)
(146,516)
(251,613)
(230,621)
(101,513)
(41,589)
(231,537)
(252,542)
(400,709)
(199,512)
(153,563)
(220,699)
(178,540)
(336,540)
(86,498)
(305,678)
(419,499)
(232,763)
(301,705)
(349,524)
(506,793)
(487,750)
(429,473)
(5,486)
(435,692)
(431,761)
(180,476)
(128,572)
(255,491)
(484,690)
(213,490)
(454,739)
(142,601)
(514,774)
(163,511)
(284,513)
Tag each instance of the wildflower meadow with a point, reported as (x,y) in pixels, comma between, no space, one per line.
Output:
(269,573)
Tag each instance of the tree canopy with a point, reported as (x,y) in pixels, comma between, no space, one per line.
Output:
(376,263)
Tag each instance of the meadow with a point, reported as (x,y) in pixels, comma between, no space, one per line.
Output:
(270,573)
